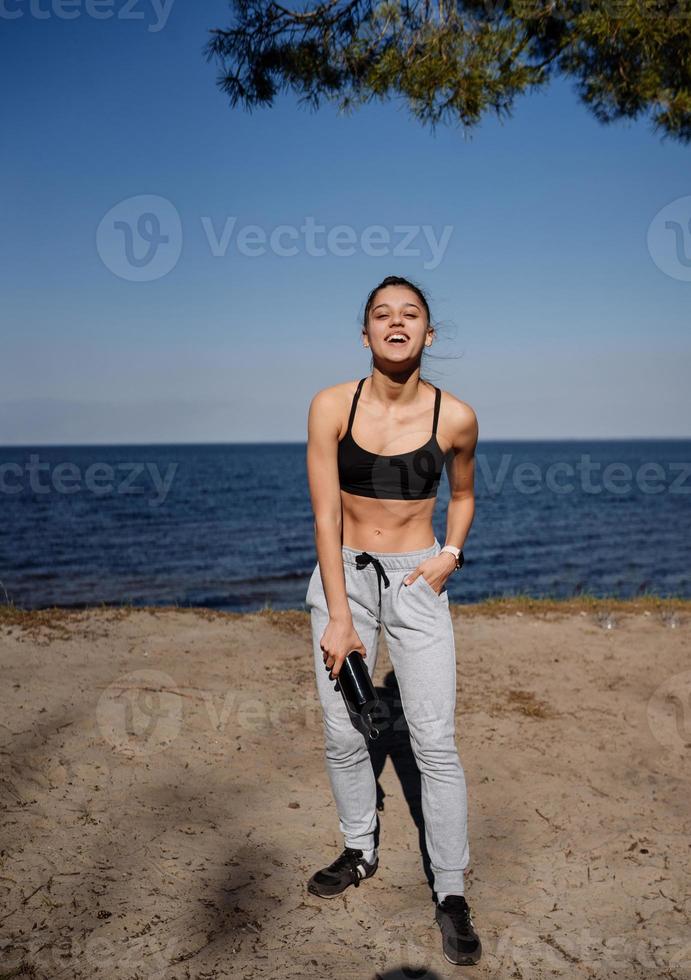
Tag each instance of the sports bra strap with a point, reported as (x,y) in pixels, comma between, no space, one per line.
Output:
(437,402)
(354,405)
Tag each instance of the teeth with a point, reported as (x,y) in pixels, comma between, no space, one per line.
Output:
(397,336)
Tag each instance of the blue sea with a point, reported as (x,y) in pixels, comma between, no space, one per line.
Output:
(229,526)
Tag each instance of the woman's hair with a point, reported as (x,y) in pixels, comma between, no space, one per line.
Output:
(395,281)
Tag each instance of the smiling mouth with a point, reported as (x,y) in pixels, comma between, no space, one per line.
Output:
(404,340)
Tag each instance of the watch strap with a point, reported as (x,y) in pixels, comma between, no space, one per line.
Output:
(456,552)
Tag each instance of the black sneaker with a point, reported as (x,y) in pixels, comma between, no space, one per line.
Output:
(349,868)
(460,943)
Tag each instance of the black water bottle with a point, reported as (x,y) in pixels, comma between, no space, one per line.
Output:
(355,684)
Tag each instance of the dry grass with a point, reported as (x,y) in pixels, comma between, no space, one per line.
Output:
(59,622)
(294,620)
(523,604)
(526,703)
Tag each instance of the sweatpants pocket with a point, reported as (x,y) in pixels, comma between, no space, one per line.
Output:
(442,597)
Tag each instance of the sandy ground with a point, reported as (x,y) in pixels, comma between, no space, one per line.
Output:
(165,799)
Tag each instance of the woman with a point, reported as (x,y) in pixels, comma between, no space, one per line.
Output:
(373,487)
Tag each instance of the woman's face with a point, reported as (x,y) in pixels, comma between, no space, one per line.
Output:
(397,310)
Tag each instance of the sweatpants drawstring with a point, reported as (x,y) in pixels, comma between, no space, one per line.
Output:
(364,559)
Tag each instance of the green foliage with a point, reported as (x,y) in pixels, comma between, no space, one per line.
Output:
(459,61)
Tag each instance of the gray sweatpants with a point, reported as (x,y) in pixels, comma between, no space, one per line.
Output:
(419,636)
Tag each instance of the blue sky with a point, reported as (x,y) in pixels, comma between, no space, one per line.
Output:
(562,309)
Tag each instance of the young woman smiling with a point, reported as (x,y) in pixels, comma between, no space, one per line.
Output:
(375,455)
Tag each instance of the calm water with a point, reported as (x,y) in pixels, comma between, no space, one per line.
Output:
(230,526)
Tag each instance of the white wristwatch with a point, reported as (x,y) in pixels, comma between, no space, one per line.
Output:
(456,552)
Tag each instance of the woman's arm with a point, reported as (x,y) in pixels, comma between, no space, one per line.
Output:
(340,635)
(322,474)
(461,422)
(460,467)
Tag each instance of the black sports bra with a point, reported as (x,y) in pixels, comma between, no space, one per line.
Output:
(406,476)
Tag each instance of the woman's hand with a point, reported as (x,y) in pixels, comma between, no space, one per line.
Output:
(337,641)
(435,570)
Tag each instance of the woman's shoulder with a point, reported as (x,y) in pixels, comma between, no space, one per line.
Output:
(336,393)
(457,411)
(333,399)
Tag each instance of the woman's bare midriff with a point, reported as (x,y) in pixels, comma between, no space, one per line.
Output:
(373,524)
